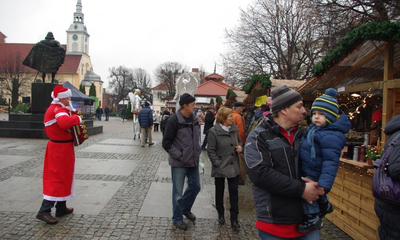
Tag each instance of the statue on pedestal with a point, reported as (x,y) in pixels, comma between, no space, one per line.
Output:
(46,56)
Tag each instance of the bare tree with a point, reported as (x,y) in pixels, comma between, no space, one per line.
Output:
(275,38)
(368,11)
(143,82)
(15,80)
(168,73)
(121,81)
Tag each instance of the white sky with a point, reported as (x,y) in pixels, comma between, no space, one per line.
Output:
(132,33)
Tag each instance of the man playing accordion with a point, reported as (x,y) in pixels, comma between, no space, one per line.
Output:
(59,159)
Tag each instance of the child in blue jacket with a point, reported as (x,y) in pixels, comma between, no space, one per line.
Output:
(321,148)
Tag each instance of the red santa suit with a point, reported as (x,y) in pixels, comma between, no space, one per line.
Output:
(59,159)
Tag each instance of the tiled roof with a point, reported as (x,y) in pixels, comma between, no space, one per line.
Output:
(214,76)
(161,86)
(70,65)
(212,88)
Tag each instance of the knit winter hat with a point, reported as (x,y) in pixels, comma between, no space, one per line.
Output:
(186,98)
(146,104)
(283,97)
(60,92)
(327,104)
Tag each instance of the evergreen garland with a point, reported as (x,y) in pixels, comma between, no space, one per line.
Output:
(230,98)
(257,78)
(381,31)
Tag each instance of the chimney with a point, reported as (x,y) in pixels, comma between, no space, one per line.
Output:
(195,70)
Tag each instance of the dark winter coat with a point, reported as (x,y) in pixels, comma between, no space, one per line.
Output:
(221,148)
(164,119)
(329,141)
(182,141)
(209,121)
(389,214)
(274,169)
(145,117)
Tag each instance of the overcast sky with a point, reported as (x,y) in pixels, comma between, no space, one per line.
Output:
(133,33)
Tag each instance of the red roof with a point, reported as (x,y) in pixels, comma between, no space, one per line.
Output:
(214,76)
(212,88)
(161,86)
(70,65)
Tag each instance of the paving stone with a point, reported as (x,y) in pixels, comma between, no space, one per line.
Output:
(133,174)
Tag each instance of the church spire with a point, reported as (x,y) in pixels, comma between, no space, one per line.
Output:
(78,15)
(77,35)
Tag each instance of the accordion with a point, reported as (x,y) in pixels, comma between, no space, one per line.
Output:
(79,131)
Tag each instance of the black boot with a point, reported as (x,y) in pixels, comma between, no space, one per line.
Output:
(221,219)
(325,208)
(235,224)
(311,222)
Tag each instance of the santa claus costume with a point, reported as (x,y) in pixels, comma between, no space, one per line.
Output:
(59,159)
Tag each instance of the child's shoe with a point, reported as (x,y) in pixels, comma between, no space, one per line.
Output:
(311,222)
(325,208)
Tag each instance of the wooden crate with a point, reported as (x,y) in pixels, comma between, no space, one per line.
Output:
(352,198)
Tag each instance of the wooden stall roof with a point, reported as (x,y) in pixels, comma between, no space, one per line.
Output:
(363,67)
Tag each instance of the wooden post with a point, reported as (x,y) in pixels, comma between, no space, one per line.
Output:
(389,96)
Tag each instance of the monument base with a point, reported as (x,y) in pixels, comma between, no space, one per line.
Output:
(41,96)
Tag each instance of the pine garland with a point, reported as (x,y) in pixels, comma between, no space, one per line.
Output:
(381,31)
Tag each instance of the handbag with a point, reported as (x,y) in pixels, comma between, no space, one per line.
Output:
(242,164)
(383,186)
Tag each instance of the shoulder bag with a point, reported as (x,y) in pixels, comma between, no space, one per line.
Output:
(383,186)
(242,164)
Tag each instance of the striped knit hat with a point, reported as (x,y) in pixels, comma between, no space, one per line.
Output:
(327,104)
(283,97)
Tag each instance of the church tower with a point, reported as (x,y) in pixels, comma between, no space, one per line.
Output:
(77,35)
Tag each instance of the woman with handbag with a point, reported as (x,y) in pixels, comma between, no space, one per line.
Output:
(389,212)
(224,145)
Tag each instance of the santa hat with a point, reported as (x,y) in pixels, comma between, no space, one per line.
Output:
(60,92)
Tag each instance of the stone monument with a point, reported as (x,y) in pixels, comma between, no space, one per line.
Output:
(45,56)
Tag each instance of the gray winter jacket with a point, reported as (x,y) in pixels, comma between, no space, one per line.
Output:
(222,152)
(182,141)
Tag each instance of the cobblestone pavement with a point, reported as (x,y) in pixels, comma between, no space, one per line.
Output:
(120,218)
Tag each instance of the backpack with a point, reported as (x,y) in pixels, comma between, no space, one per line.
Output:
(384,187)
(253,125)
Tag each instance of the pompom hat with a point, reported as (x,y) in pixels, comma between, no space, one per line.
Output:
(327,104)
(60,92)
(283,97)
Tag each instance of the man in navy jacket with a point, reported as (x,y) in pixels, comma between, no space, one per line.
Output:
(146,123)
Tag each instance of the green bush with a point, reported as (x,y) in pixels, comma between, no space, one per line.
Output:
(23,107)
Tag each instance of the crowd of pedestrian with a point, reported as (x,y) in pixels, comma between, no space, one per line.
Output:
(291,170)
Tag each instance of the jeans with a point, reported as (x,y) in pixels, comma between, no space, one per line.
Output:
(314,207)
(233,184)
(183,204)
(311,236)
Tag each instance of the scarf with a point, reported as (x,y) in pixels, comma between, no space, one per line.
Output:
(310,139)
(225,128)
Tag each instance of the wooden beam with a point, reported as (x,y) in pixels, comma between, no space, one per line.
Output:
(389,95)
(378,85)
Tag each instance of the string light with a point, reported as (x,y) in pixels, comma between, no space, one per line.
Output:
(363,104)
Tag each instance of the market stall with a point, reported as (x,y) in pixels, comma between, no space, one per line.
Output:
(365,63)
